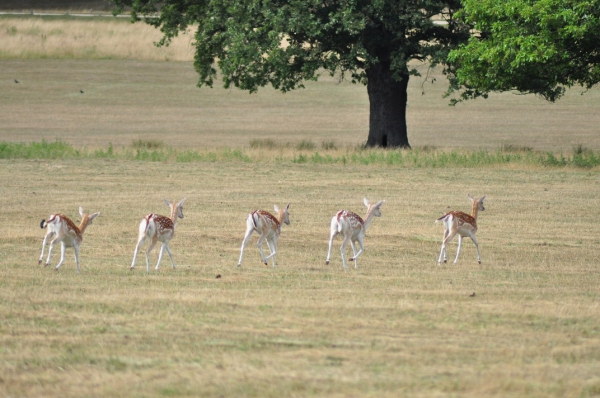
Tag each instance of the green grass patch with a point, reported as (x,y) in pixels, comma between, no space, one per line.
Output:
(439,159)
(38,150)
(157,151)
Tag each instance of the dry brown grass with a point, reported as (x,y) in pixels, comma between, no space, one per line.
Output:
(397,325)
(87,38)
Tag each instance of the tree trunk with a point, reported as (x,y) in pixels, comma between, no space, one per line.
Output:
(387,98)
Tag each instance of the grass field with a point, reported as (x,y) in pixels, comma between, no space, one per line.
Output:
(125,100)
(524,323)
(397,325)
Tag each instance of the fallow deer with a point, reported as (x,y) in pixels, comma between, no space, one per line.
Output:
(457,222)
(353,229)
(268,227)
(159,229)
(67,233)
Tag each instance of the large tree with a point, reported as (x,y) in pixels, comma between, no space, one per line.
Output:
(530,46)
(253,43)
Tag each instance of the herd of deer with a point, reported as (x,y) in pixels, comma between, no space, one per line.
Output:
(350,225)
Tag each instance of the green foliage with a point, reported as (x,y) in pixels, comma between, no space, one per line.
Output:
(255,43)
(283,43)
(540,47)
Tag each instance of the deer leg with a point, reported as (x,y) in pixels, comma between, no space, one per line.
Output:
(333,233)
(447,238)
(446,233)
(249,230)
(273,249)
(362,249)
(152,244)
(137,249)
(166,246)
(259,244)
(343,250)
(63,249)
(52,243)
(458,250)
(353,245)
(76,250)
(477,247)
(160,253)
(44,246)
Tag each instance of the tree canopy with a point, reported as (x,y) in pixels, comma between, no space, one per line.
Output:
(530,46)
(254,43)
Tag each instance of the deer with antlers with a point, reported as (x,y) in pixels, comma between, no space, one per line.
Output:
(67,233)
(353,229)
(161,229)
(268,227)
(463,225)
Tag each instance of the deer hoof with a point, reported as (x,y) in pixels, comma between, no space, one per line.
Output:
(326,262)
(479,262)
(352,259)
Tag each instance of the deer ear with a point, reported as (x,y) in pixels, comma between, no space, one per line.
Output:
(181,202)
(81,212)
(366,202)
(168,203)
(287,207)
(470,197)
(276,208)
(380,203)
(482,198)
(94,216)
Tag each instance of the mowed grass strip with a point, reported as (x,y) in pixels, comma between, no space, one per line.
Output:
(399,324)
